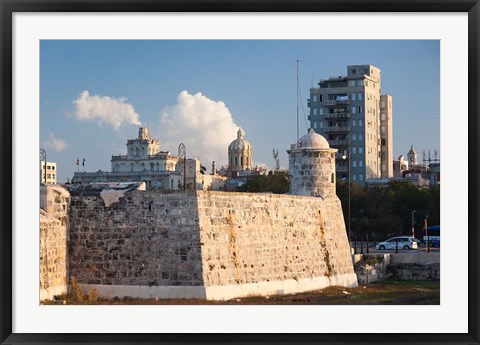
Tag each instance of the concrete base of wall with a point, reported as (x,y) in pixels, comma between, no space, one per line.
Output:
(48,294)
(138,291)
(279,287)
(225,292)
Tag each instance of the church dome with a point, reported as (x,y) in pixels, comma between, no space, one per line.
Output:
(239,144)
(313,140)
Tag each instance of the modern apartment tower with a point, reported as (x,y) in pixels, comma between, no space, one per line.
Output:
(386,136)
(347,111)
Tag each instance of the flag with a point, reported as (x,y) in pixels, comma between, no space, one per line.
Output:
(83,163)
(78,161)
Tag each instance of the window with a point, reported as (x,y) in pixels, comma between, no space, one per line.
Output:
(382,129)
(354,96)
(360,137)
(354,149)
(321,111)
(315,97)
(236,160)
(360,177)
(241,160)
(315,124)
(384,167)
(360,163)
(53,167)
(354,136)
(49,176)
(360,123)
(354,110)
(152,167)
(360,82)
(354,164)
(320,98)
(354,123)
(351,82)
(384,142)
(382,116)
(354,177)
(360,149)
(360,96)
(321,124)
(360,109)
(315,111)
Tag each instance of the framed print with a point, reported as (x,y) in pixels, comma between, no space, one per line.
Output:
(194,231)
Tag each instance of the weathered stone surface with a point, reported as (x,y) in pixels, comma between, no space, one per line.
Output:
(210,239)
(53,241)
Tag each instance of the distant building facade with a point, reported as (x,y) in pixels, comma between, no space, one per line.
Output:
(145,162)
(48,171)
(347,111)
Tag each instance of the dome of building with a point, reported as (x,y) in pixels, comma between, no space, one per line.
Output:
(313,140)
(240,143)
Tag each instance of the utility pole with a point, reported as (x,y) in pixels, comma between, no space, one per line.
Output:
(414,214)
(425,228)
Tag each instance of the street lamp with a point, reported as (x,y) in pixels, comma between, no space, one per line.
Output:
(346,157)
(43,157)
(182,152)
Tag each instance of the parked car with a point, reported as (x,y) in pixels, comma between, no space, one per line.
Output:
(404,242)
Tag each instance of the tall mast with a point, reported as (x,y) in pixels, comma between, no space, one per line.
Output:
(297,106)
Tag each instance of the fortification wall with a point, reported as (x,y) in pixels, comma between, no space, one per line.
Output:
(53,241)
(207,244)
(261,244)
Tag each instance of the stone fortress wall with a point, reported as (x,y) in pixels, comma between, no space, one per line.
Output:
(54,202)
(212,245)
(206,244)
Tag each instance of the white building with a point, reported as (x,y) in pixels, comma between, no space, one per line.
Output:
(49,171)
(145,162)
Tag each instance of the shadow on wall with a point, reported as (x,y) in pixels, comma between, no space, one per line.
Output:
(140,244)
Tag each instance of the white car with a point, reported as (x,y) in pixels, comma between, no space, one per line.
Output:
(404,242)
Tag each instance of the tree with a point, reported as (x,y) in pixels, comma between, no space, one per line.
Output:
(386,212)
(276,182)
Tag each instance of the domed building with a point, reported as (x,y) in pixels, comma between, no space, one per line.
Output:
(239,154)
(312,166)
(412,156)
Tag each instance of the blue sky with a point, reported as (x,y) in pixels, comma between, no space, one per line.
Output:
(94,94)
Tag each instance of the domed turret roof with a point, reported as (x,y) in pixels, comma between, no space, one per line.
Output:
(240,143)
(313,140)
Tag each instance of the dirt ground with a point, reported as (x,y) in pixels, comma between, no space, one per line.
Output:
(390,292)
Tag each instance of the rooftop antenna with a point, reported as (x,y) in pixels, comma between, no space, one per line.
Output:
(297,106)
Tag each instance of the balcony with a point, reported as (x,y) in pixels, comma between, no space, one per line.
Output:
(344,142)
(337,129)
(337,102)
(342,115)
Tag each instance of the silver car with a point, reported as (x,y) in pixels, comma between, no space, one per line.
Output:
(404,242)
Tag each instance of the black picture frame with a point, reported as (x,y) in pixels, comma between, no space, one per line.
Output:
(8,7)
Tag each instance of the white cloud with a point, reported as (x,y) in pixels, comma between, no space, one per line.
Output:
(54,143)
(205,126)
(105,110)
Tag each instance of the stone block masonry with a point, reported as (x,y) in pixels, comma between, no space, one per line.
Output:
(54,202)
(206,244)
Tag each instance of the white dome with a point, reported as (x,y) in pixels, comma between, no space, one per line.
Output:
(313,140)
(239,143)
